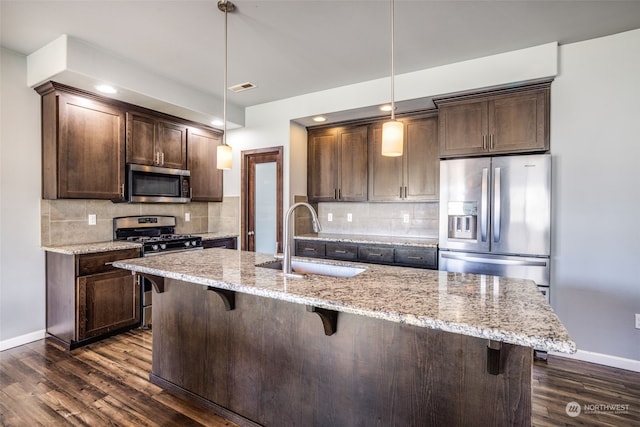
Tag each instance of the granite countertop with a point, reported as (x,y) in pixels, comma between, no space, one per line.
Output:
(362,238)
(213,236)
(89,248)
(501,309)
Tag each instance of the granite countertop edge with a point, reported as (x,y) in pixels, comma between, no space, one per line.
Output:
(89,248)
(426,242)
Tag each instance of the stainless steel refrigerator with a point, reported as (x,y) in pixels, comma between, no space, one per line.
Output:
(495,217)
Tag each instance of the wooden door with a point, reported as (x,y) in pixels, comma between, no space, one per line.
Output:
(202,155)
(385,173)
(463,128)
(171,144)
(353,164)
(421,160)
(107,302)
(322,165)
(141,136)
(518,122)
(91,149)
(251,209)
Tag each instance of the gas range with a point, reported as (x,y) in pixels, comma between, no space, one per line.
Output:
(156,234)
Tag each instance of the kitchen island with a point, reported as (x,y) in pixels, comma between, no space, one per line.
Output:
(389,346)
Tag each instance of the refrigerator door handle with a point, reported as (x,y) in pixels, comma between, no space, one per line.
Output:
(497,205)
(492,260)
(484,202)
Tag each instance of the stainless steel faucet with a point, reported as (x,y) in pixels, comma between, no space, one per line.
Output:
(288,237)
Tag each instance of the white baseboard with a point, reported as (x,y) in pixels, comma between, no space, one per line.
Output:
(22,339)
(603,359)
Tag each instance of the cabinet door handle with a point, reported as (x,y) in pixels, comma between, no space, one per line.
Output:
(372,254)
(401,192)
(162,157)
(484,142)
(335,194)
(339,193)
(122,191)
(414,257)
(405,191)
(156,159)
(340,251)
(309,249)
(491,143)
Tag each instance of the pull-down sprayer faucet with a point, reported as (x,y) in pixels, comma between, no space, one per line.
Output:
(288,237)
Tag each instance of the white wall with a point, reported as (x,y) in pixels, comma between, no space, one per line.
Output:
(22,288)
(595,143)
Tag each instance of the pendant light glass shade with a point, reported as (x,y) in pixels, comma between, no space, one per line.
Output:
(224,157)
(392,131)
(392,138)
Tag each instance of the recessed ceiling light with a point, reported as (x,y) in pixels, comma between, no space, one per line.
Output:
(106,89)
(319,119)
(386,107)
(217,122)
(242,87)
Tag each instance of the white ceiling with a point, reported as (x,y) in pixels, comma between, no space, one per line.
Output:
(293,47)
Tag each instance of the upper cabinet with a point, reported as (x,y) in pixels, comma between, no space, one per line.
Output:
(83,145)
(510,121)
(337,164)
(202,155)
(414,176)
(156,142)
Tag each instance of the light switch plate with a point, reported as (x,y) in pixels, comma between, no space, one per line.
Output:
(349,217)
(637,321)
(405,218)
(92,219)
(330,217)
(187,217)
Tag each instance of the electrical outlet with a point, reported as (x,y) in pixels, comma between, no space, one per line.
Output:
(405,218)
(187,217)
(637,321)
(349,217)
(330,217)
(91,219)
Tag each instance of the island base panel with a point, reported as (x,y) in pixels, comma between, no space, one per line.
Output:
(270,362)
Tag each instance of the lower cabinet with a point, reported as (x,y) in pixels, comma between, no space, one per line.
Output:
(400,255)
(225,243)
(88,298)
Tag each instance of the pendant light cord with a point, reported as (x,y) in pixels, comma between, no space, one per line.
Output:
(224,89)
(393,75)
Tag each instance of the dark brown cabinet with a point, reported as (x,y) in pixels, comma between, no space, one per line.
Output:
(156,142)
(202,156)
(83,146)
(414,176)
(509,122)
(88,298)
(337,164)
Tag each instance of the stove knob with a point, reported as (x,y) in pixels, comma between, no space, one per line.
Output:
(186,244)
(154,247)
(194,243)
(163,246)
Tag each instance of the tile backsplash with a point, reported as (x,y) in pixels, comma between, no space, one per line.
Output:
(65,221)
(381,219)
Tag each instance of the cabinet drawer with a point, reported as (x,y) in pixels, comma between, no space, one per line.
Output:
(342,251)
(308,248)
(100,262)
(228,243)
(417,257)
(377,254)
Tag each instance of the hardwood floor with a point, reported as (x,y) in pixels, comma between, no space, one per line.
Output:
(107,384)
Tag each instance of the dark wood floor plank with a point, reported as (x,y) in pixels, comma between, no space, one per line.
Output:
(106,383)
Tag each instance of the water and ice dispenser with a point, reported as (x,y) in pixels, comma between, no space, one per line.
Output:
(463,220)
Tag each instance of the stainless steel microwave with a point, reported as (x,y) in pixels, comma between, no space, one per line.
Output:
(152,184)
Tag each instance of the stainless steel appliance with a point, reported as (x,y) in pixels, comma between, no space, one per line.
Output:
(157,235)
(152,184)
(495,216)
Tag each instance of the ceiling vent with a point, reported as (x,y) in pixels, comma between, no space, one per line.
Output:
(242,86)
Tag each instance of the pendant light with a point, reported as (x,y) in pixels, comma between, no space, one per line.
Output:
(224,150)
(393,130)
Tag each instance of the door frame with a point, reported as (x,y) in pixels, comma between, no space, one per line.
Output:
(246,157)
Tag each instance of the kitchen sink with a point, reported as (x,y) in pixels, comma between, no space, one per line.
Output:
(309,267)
